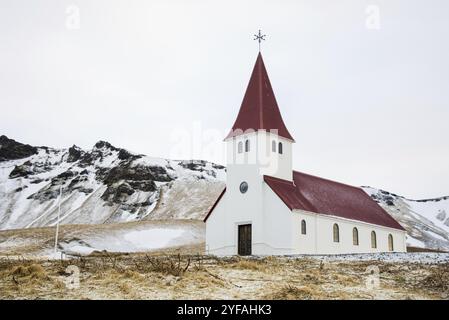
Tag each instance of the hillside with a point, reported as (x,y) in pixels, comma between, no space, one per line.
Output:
(426,221)
(102,185)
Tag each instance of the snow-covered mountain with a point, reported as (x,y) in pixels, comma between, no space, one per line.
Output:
(108,184)
(102,185)
(426,221)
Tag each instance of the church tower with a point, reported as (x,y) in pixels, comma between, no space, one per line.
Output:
(259,143)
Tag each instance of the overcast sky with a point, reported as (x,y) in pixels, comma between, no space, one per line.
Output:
(363,86)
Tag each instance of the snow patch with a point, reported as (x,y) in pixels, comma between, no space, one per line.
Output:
(130,241)
(152,239)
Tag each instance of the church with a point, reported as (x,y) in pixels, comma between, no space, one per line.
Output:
(267,208)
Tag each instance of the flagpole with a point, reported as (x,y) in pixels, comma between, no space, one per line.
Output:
(57,222)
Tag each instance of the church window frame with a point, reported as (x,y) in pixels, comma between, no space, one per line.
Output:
(355,236)
(390,242)
(373,240)
(247,145)
(303,227)
(240,147)
(336,232)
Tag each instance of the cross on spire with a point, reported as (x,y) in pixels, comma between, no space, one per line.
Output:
(259,37)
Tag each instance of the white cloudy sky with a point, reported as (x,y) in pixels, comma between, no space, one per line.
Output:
(366,106)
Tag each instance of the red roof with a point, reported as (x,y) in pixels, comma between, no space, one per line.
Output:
(259,109)
(322,196)
(318,195)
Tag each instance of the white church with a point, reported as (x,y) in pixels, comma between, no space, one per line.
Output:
(267,208)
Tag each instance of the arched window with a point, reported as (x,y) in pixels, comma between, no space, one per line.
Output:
(303,227)
(280,148)
(247,146)
(273,146)
(240,147)
(390,242)
(336,233)
(355,237)
(373,240)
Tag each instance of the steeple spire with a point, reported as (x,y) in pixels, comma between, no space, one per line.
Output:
(259,109)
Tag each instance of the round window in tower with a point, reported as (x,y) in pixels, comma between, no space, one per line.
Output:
(243,187)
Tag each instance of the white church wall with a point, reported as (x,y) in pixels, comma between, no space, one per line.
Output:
(304,243)
(277,222)
(215,233)
(325,243)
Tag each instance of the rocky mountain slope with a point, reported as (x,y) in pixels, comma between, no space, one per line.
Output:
(426,221)
(108,184)
(102,185)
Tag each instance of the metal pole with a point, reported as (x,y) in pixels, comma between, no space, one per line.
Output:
(57,222)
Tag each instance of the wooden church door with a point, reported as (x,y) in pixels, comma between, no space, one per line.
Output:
(244,240)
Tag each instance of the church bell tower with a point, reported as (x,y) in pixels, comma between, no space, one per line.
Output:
(259,143)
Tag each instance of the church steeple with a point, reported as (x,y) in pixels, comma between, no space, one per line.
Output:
(259,109)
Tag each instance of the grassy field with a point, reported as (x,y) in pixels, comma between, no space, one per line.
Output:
(184,272)
(180,274)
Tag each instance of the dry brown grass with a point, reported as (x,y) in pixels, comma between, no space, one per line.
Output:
(28,272)
(256,265)
(290,292)
(266,264)
(176,276)
(437,280)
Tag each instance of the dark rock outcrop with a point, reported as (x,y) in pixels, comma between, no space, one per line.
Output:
(23,170)
(218,166)
(123,180)
(126,155)
(134,173)
(104,144)
(13,150)
(200,166)
(48,193)
(117,194)
(194,165)
(74,154)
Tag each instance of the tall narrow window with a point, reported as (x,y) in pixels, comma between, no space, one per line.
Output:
(280,148)
(390,242)
(336,233)
(355,237)
(303,227)
(240,147)
(273,146)
(247,146)
(373,240)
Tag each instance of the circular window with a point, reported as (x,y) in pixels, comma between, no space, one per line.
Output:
(243,187)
